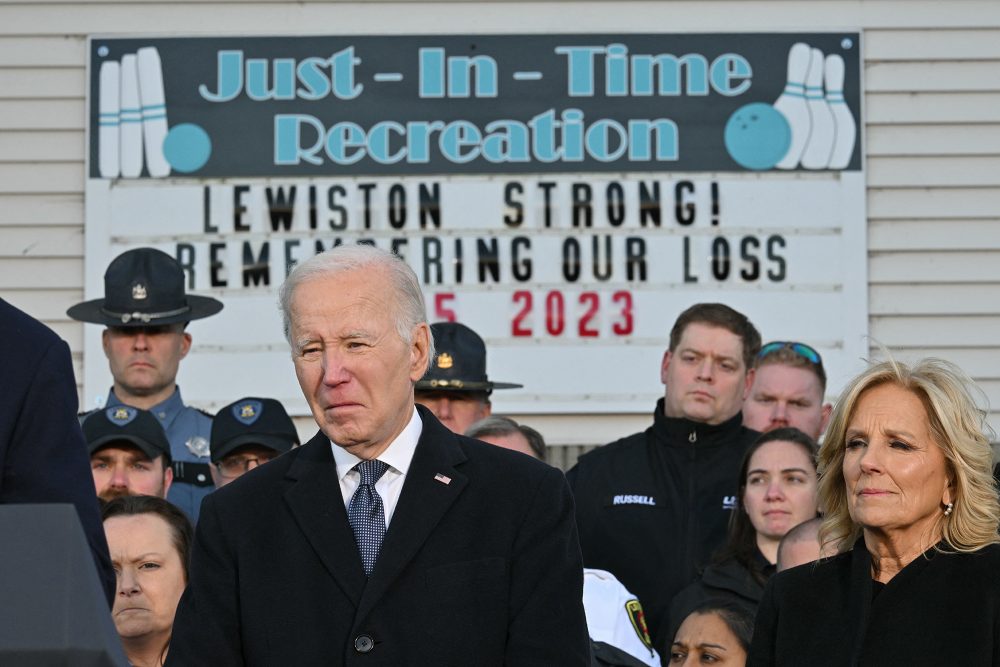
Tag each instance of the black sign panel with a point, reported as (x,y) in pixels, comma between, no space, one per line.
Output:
(217,107)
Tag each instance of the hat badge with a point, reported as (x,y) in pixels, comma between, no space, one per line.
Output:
(139,291)
(121,415)
(247,412)
(445,361)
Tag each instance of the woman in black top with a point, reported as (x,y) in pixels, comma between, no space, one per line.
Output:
(907,487)
(777,491)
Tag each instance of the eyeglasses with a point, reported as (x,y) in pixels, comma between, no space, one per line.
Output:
(236,466)
(801,349)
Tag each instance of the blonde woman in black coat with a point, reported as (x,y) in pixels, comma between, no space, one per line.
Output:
(907,485)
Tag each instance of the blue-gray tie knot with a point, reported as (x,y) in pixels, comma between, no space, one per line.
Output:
(371,471)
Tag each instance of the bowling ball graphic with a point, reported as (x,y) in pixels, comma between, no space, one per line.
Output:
(187,147)
(757,136)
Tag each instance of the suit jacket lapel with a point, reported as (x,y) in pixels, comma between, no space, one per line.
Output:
(422,502)
(316,503)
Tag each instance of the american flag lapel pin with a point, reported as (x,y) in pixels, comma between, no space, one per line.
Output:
(444,479)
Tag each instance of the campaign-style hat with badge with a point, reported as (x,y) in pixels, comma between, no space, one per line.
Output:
(252,421)
(460,363)
(144,288)
(123,423)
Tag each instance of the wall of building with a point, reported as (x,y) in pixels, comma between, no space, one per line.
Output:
(931,136)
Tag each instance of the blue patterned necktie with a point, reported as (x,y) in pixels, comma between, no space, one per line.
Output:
(366,514)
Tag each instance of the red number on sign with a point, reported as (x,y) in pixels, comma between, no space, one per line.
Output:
(441,312)
(555,313)
(517,327)
(623,328)
(593,300)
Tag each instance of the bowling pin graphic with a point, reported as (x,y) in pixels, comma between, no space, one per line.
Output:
(792,103)
(843,145)
(108,119)
(130,135)
(816,154)
(154,110)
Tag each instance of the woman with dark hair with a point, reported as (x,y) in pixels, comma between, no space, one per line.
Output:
(150,544)
(777,491)
(716,632)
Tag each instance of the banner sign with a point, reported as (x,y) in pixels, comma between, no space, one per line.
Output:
(565,195)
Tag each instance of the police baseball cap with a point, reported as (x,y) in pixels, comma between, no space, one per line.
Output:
(144,288)
(460,362)
(123,423)
(252,421)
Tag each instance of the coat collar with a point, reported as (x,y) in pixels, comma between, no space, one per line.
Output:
(432,485)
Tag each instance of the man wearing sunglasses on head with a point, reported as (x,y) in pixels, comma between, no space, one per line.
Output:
(788,389)
(247,434)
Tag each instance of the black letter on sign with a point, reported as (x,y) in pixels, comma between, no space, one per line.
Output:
(635,258)
(239,208)
(582,196)
(649,204)
(683,210)
(367,188)
(602,272)
(432,258)
(720,258)
(332,194)
(616,203)
(546,187)
(430,205)
(688,276)
(257,270)
(773,243)
(514,214)
(215,265)
(206,204)
(489,259)
(397,206)
(752,270)
(571,260)
(280,207)
(521,268)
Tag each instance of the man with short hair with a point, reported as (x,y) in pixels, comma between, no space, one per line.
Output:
(652,507)
(801,545)
(507,433)
(788,390)
(129,453)
(145,311)
(456,388)
(397,541)
(248,433)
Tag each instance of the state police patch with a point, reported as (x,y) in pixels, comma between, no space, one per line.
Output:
(120,415)
(247,412)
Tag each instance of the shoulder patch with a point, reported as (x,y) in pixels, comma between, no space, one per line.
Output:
(633,609)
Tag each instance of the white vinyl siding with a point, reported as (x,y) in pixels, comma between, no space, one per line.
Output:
(931,136)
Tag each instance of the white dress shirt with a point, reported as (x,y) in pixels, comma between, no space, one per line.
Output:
(397,455)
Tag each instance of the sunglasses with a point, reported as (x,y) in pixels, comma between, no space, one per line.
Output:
(801,349)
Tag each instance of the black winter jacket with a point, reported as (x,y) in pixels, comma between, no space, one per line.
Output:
(941,609)
(652,508)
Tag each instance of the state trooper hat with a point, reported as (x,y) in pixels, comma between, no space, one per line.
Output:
(142,288)
(460,364)
(123,423)
(252,421)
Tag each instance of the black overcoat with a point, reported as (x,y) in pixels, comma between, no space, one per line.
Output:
(941,609)
(43,455)
(480,566)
